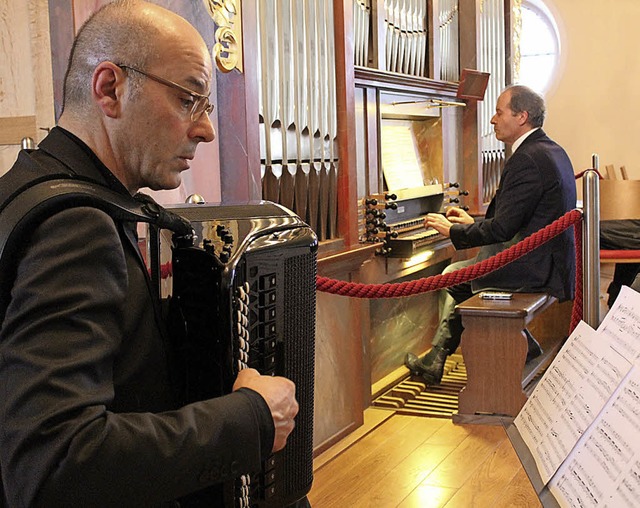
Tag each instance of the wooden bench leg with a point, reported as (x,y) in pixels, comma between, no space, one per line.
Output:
(494,352)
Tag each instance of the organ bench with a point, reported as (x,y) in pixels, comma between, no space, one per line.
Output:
(494,348)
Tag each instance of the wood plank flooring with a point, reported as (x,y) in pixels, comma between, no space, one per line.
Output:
(408,461)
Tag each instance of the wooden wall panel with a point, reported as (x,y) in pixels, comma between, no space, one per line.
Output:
(471,163)
(339,376)
(61,28)
(14,128)
(82,9)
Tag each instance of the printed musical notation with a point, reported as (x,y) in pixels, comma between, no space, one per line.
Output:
(622,324)
(582,421)
(603,470)
(572,392)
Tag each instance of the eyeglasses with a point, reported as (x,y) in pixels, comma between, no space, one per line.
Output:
(201,102)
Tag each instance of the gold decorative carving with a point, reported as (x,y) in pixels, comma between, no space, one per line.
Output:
(517,38)
(227,49)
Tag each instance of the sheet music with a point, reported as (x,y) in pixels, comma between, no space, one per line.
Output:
(603,470)
(622,324)
(400,161)
(572,392)
(582,422)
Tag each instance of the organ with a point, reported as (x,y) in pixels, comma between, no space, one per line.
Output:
(407,160)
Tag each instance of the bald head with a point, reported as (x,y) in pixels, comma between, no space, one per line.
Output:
(130,32)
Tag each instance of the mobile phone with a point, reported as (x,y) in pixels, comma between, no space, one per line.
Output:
(496,295)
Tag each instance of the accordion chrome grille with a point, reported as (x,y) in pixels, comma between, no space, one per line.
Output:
(299,337)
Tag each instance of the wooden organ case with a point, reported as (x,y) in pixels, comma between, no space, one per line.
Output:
(409,159)
(244,296)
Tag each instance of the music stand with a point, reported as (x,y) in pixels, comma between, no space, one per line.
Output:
(472,84)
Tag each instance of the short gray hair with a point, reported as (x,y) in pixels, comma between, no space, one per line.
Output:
(523,99)
(117,33)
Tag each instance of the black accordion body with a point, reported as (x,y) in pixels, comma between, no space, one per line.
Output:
(244,296)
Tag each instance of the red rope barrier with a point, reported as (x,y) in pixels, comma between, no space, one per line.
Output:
(414,287)
(581,174)
(576,311)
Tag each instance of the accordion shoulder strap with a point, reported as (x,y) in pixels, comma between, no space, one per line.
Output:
(31,206)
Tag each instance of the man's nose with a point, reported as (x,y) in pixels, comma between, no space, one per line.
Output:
(204,129)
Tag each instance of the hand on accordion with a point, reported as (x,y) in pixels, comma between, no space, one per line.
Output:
(279,394)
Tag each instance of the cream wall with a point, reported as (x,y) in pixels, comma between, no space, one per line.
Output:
(26,87)
(595,105)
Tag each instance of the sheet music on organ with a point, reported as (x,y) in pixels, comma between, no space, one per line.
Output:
(401,163)
(581,422)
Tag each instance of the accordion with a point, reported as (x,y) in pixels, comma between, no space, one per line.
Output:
(244,296)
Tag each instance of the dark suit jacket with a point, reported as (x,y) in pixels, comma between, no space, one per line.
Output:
(86,410)
(537,186)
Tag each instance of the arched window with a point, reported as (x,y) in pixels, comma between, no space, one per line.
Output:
(539,46)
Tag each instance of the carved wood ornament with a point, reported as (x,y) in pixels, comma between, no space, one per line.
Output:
(227,50)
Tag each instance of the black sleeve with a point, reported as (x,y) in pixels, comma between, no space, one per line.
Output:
(265,421)
(520,190)
(60,445)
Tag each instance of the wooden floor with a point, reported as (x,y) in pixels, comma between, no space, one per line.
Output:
(414,461)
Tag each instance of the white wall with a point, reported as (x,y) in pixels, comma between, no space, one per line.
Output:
(595,105)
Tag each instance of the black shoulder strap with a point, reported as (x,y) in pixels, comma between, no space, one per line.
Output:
(29,208)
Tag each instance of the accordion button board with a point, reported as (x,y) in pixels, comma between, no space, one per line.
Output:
(243,295)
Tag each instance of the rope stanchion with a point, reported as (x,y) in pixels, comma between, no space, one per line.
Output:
(414,287)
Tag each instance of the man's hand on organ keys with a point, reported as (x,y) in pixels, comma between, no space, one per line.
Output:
(457,215)
(438,222)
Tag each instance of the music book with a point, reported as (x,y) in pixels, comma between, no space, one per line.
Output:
(578,434)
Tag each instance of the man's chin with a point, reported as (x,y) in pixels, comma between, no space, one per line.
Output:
(173,181)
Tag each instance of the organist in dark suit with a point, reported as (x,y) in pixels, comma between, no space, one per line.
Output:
(537,186)
(87,416)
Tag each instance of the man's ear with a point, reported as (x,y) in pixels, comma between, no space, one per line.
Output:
(523,117)
(107,88)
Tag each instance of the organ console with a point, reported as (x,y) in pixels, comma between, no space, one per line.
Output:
(410,154)
(410,143)
(401,225)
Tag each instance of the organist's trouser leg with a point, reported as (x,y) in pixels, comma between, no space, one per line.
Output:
(448,334)
(449,329)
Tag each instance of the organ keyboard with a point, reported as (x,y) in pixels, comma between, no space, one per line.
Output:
(410,243)
(397,219)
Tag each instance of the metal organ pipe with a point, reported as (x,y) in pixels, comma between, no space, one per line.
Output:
(297,108)
(491,56)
